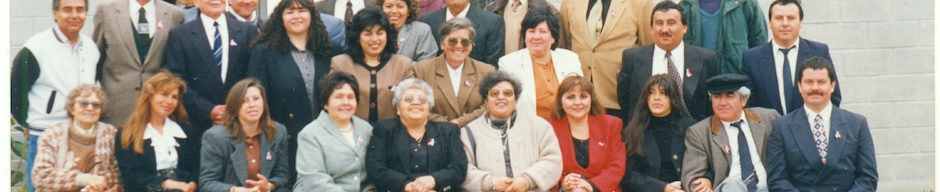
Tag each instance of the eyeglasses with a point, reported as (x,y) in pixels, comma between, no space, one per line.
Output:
(464,42)
(419,99)
(505,93)
(94,105)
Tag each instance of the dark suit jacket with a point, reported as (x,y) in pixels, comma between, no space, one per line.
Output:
(282,80)
(139,171)
(643,171)
(337,30)
(490,37)
(189,56)
(327,6)
(389,159)
(637,68)
(760,68)
(793,164)
(225,163)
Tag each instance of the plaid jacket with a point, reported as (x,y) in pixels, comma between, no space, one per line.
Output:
(53,165)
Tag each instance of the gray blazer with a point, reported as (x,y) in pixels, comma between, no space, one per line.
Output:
(122,70)
(224,164)
(416,42)
(327,162)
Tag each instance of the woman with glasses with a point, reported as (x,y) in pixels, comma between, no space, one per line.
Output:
(508,150)
(455,75)
(79,154)
(411,153)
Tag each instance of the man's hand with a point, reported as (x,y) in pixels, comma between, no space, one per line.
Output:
(702,185)
(455,122)
(216,114)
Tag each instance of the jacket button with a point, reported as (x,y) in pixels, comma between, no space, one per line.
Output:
(136,88)
(372,105)
(290,115)
(675,157)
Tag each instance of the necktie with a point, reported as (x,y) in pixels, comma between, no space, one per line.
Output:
(594,21)
(349,12)
(819,134)
(787,81)
(217,47)
(143,28)
(515,5)
(674,73)
(748,175)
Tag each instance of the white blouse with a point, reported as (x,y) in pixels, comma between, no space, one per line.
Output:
(164,145)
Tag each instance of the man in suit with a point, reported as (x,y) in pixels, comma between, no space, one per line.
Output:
(729,146)
(771,66)
(342,9)
(211,55)
(132,36)
(662,57)
(598,31)
(489,39)
(820,147)
(244,11)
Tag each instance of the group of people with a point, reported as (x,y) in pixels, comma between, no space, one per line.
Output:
(358,95)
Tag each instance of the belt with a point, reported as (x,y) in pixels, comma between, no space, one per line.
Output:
(169,174)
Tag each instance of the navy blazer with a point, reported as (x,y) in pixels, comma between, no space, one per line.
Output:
(637,68)
(759,66)
(139,171)
(489,40)
(793,163)
(389,160)
(643,172)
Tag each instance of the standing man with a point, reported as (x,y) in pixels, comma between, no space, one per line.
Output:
(489,40)
(342,9)
(771,66)
(244,11)
(132,36)
(725,26)
(599,31)
(190,12)
(727,149)
(820,147)
(689,65)
(45,71)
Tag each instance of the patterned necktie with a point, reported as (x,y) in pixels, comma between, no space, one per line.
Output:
(787,81)
(595,22)
(673,72)
(217,47)
(347,17)
(748,175)
(819,134)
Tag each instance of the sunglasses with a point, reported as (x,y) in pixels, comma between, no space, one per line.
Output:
(505,93)
(419,99)
(464,42)
(85,104)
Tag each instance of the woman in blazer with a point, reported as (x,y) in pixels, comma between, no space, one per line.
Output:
(331,154)
(433,148)
(540,65)
(456,76)
(370,56)
(153,151)
(591,147)
(249,151)
(415,40)
(79,154)
(655,138)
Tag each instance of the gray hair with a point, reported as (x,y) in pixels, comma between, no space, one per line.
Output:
(454,25)
(412,83)
(743,92)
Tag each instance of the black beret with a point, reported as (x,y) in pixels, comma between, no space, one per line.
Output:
(726,83)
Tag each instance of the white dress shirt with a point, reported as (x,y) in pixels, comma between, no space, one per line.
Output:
(778,67)
(164,145)
(339,9)
(253,20)
(150,9)
(661,65)
(455,75)
(462,14)
(223,32)
(826,114)
(735,172)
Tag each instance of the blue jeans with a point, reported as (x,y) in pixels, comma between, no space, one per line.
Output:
(30,157)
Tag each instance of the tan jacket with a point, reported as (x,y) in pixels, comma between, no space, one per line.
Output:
(386,78)
(705,141)
(627,26)
(467,104)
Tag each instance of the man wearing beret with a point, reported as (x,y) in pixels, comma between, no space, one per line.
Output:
(727,150)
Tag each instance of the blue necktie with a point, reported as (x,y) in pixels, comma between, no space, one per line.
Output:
(217,47)
(787,81)
(747,167)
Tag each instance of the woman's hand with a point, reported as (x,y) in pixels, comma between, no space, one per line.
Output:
(96,183)
(262,183)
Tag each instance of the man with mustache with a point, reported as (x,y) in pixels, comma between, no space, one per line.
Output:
(820,147)
(771,66)
(689,65)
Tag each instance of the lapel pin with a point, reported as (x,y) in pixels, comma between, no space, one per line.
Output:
(612,13)
(467,83)
(600,144)
(268,156)
(688,73)
(232,42)
(521,145)
(838,135)
(431,143)
(160,24)
(359,139)
(727,150)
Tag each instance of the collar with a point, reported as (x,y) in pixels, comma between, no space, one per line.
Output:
(462,14)
(826,111)
(134,6)
(660,52)
(90,131)
(60,36)
(254,16)
(207,21)
(777,47)
(170,128)
(449,69)
(742,119)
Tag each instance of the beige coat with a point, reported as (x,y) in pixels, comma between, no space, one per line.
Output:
(386,78)
(533,148)
(53,169)
(467,104)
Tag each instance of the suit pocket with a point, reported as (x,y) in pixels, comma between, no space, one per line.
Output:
(50,103)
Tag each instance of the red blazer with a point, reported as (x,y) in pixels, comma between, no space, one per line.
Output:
(608,157)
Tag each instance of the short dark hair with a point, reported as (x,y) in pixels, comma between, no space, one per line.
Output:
(55,5)
(534,18)
(816,63)
(770,11)
(666,6)
(497,77)
(334,81)
(412,9)
(366,19)
(567,85)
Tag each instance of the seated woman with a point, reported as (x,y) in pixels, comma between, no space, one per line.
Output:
(249,151)
(655,138)
(432,148)
(78,155)
(591,146)
(154,152)
(331,154)
(508,150)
